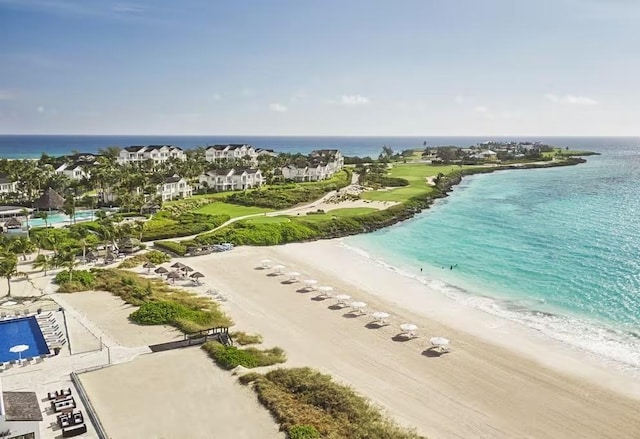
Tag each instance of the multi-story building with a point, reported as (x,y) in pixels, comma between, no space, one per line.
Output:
(174,187)
(320,165)
(157,153)
(232,179)
(7,186)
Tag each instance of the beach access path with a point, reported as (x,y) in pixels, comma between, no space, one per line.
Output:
(478,390)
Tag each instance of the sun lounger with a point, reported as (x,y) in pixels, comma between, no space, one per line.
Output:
(74,430)
(63,404)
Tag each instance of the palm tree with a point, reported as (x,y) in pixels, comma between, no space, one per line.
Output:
(44,262)
(81,234)
(45,218)
(22,245)
(67,259)
(69,208)
(9,268)
(25,213)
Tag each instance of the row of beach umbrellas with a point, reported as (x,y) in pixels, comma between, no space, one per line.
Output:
(380,317)
(180,270)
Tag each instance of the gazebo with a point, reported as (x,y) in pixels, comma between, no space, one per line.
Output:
(129,245)
(13,223)
(50,200)
(150,208)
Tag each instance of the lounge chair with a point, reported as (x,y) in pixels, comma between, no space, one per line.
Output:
(74,430)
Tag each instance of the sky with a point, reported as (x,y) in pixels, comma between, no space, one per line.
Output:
(322,67)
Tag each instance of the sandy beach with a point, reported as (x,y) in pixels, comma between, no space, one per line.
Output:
(515,386)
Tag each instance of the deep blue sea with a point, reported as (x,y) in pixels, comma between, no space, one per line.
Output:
(557,250)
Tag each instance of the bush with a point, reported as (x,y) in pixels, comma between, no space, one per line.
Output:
(243,339)
(229,357)
(153,256)
(158,313)
(302,397)
(82,277)
(174,247)
(303,432)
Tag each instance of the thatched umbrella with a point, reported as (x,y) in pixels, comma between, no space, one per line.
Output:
(161,270)
(50,200)
(149,266)
(178,265)
(186,269)
(197,275)
(13,223)
(91,256)
(174,275)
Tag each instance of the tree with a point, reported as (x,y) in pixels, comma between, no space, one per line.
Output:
(44,263)
(68,260)
(45,218)
(69,208)
(9,268)
(22,245)
(25,213)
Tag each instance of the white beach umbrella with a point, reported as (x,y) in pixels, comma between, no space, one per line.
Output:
(325,290)
(266,263)
(358,306)
(19,349)
(310,283)
(342,298)
(380,316)
(409,328)
(293,275)
(439,342)
(278,268)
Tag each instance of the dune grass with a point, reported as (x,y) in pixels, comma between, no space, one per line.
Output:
(305,397)
(243,339)
(153,256)
(230,357)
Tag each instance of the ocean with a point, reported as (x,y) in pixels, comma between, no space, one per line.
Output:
(556,250)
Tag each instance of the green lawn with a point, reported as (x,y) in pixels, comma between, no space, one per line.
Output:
(347,211)
(268,219)
(415,174)
(233,210)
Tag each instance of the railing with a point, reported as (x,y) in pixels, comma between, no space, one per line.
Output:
(93,416)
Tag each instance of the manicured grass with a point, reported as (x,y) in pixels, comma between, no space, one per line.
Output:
(268,219)
(344,212)
(233,210)
(415,174)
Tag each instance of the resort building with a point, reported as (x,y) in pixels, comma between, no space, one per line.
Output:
(7,186)
(157,153)
(174,187)
(235,151)
(20,415)
(75,171)
(321,164)
(231,179)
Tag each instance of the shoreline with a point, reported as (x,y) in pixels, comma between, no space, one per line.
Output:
(499,383)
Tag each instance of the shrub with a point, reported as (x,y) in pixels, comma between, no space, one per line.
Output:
(164,225)
(71,287)
(158,313)
(84,278)
(243,339)
(303,432)
(174,247)
(153,256)
(302,397)
(229,357)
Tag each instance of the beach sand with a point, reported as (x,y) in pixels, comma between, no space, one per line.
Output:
(176,394)
(515,386)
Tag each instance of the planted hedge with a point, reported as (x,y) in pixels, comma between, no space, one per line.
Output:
(229,357)
(175,247)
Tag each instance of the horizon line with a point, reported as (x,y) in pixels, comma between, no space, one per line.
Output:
(326,135)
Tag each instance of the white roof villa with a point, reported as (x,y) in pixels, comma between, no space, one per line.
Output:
(6,185)
(157,153)
(235,151)
(232,179)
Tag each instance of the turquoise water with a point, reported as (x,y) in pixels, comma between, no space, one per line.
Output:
(557,250)
(21,331)
(58,218)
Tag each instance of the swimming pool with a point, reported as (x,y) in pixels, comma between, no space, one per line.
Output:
(57,218)
(21,331)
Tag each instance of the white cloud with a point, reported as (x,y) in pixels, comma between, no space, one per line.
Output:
(570,99)
(278,108)
(247,92)
(127,9)
(5,95)
(298,96)
(40,109)
(217,97)
(481,109)
(353,100)
(461,99)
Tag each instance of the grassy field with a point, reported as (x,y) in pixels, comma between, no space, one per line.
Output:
(233,210)
(268,219)
(415,174)
(345,212)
